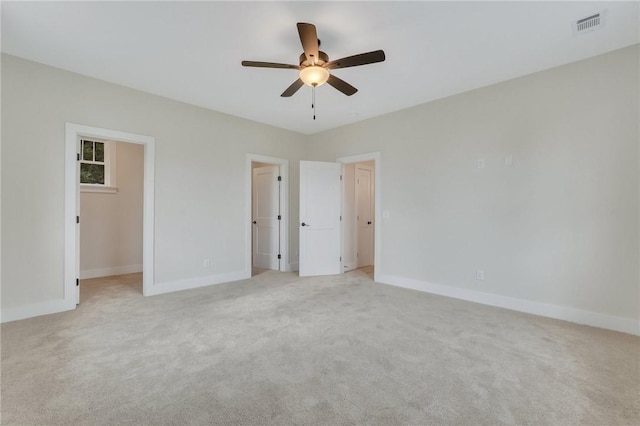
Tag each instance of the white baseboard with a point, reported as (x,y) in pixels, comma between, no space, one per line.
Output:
(107,272)
(36,310)
(594,319)
(189,283)
(292,267)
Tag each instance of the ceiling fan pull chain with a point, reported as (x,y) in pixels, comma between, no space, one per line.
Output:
(313,100)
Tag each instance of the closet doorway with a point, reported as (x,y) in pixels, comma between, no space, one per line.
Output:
(338,231)
(74,150)
(111,216)
(358,216)
(268,202)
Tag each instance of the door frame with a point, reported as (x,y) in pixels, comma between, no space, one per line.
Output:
(377,237)
(283,165)
(73,133)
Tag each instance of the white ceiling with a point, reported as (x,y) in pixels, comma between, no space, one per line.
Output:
(191,51)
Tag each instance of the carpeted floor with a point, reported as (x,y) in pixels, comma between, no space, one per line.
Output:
(278,349)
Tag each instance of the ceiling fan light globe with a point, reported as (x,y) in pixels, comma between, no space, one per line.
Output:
(314,75)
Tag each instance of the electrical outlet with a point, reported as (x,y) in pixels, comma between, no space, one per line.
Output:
(480,163)
(206,263)
(479,274)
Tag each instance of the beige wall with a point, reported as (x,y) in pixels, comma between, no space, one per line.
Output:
(560,226)
(199,181)
(111,225)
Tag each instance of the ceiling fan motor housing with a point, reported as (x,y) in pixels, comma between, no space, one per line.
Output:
(322,59)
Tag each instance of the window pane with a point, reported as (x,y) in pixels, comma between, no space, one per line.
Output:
(99,151)
(87,150)
(92,173)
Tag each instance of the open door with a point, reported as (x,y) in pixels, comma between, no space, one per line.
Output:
(266,208)
(364,214)
(320,203)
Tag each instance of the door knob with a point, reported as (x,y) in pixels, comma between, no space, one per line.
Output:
(305,224)
(368,223)
(254,222)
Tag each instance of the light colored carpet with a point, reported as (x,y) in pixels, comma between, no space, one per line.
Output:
(278,349)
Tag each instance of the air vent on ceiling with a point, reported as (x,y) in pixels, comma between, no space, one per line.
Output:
(588,24)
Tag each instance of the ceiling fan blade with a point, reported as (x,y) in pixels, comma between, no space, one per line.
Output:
(269,65)
(356,60)
(309,39)
(341,85)
(293,88)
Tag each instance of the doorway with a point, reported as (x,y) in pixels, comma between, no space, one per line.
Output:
(73,134)
(267,214)
(372,159)
(322,216)
(111,182)
(358,215)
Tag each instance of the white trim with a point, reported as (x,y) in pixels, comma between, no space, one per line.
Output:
(108,272)
(284,208)
(594,319)
(36,310)
(71,234)
(375,156)
(111,167)
(190,283)
(72,206)
(102,189)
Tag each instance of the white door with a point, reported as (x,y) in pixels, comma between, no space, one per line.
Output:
(349,228)
(320,218)
(364,211)
(265,210)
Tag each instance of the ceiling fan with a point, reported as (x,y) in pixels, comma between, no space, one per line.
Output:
(315,65)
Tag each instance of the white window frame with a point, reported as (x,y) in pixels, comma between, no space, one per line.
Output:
(109,186)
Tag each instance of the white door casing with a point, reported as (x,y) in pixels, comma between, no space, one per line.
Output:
(364,213)
(320,205)
(265,210)
(349,229)
(72,206)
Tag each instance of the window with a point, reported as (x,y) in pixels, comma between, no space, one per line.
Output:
(92,163)
(97,166)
